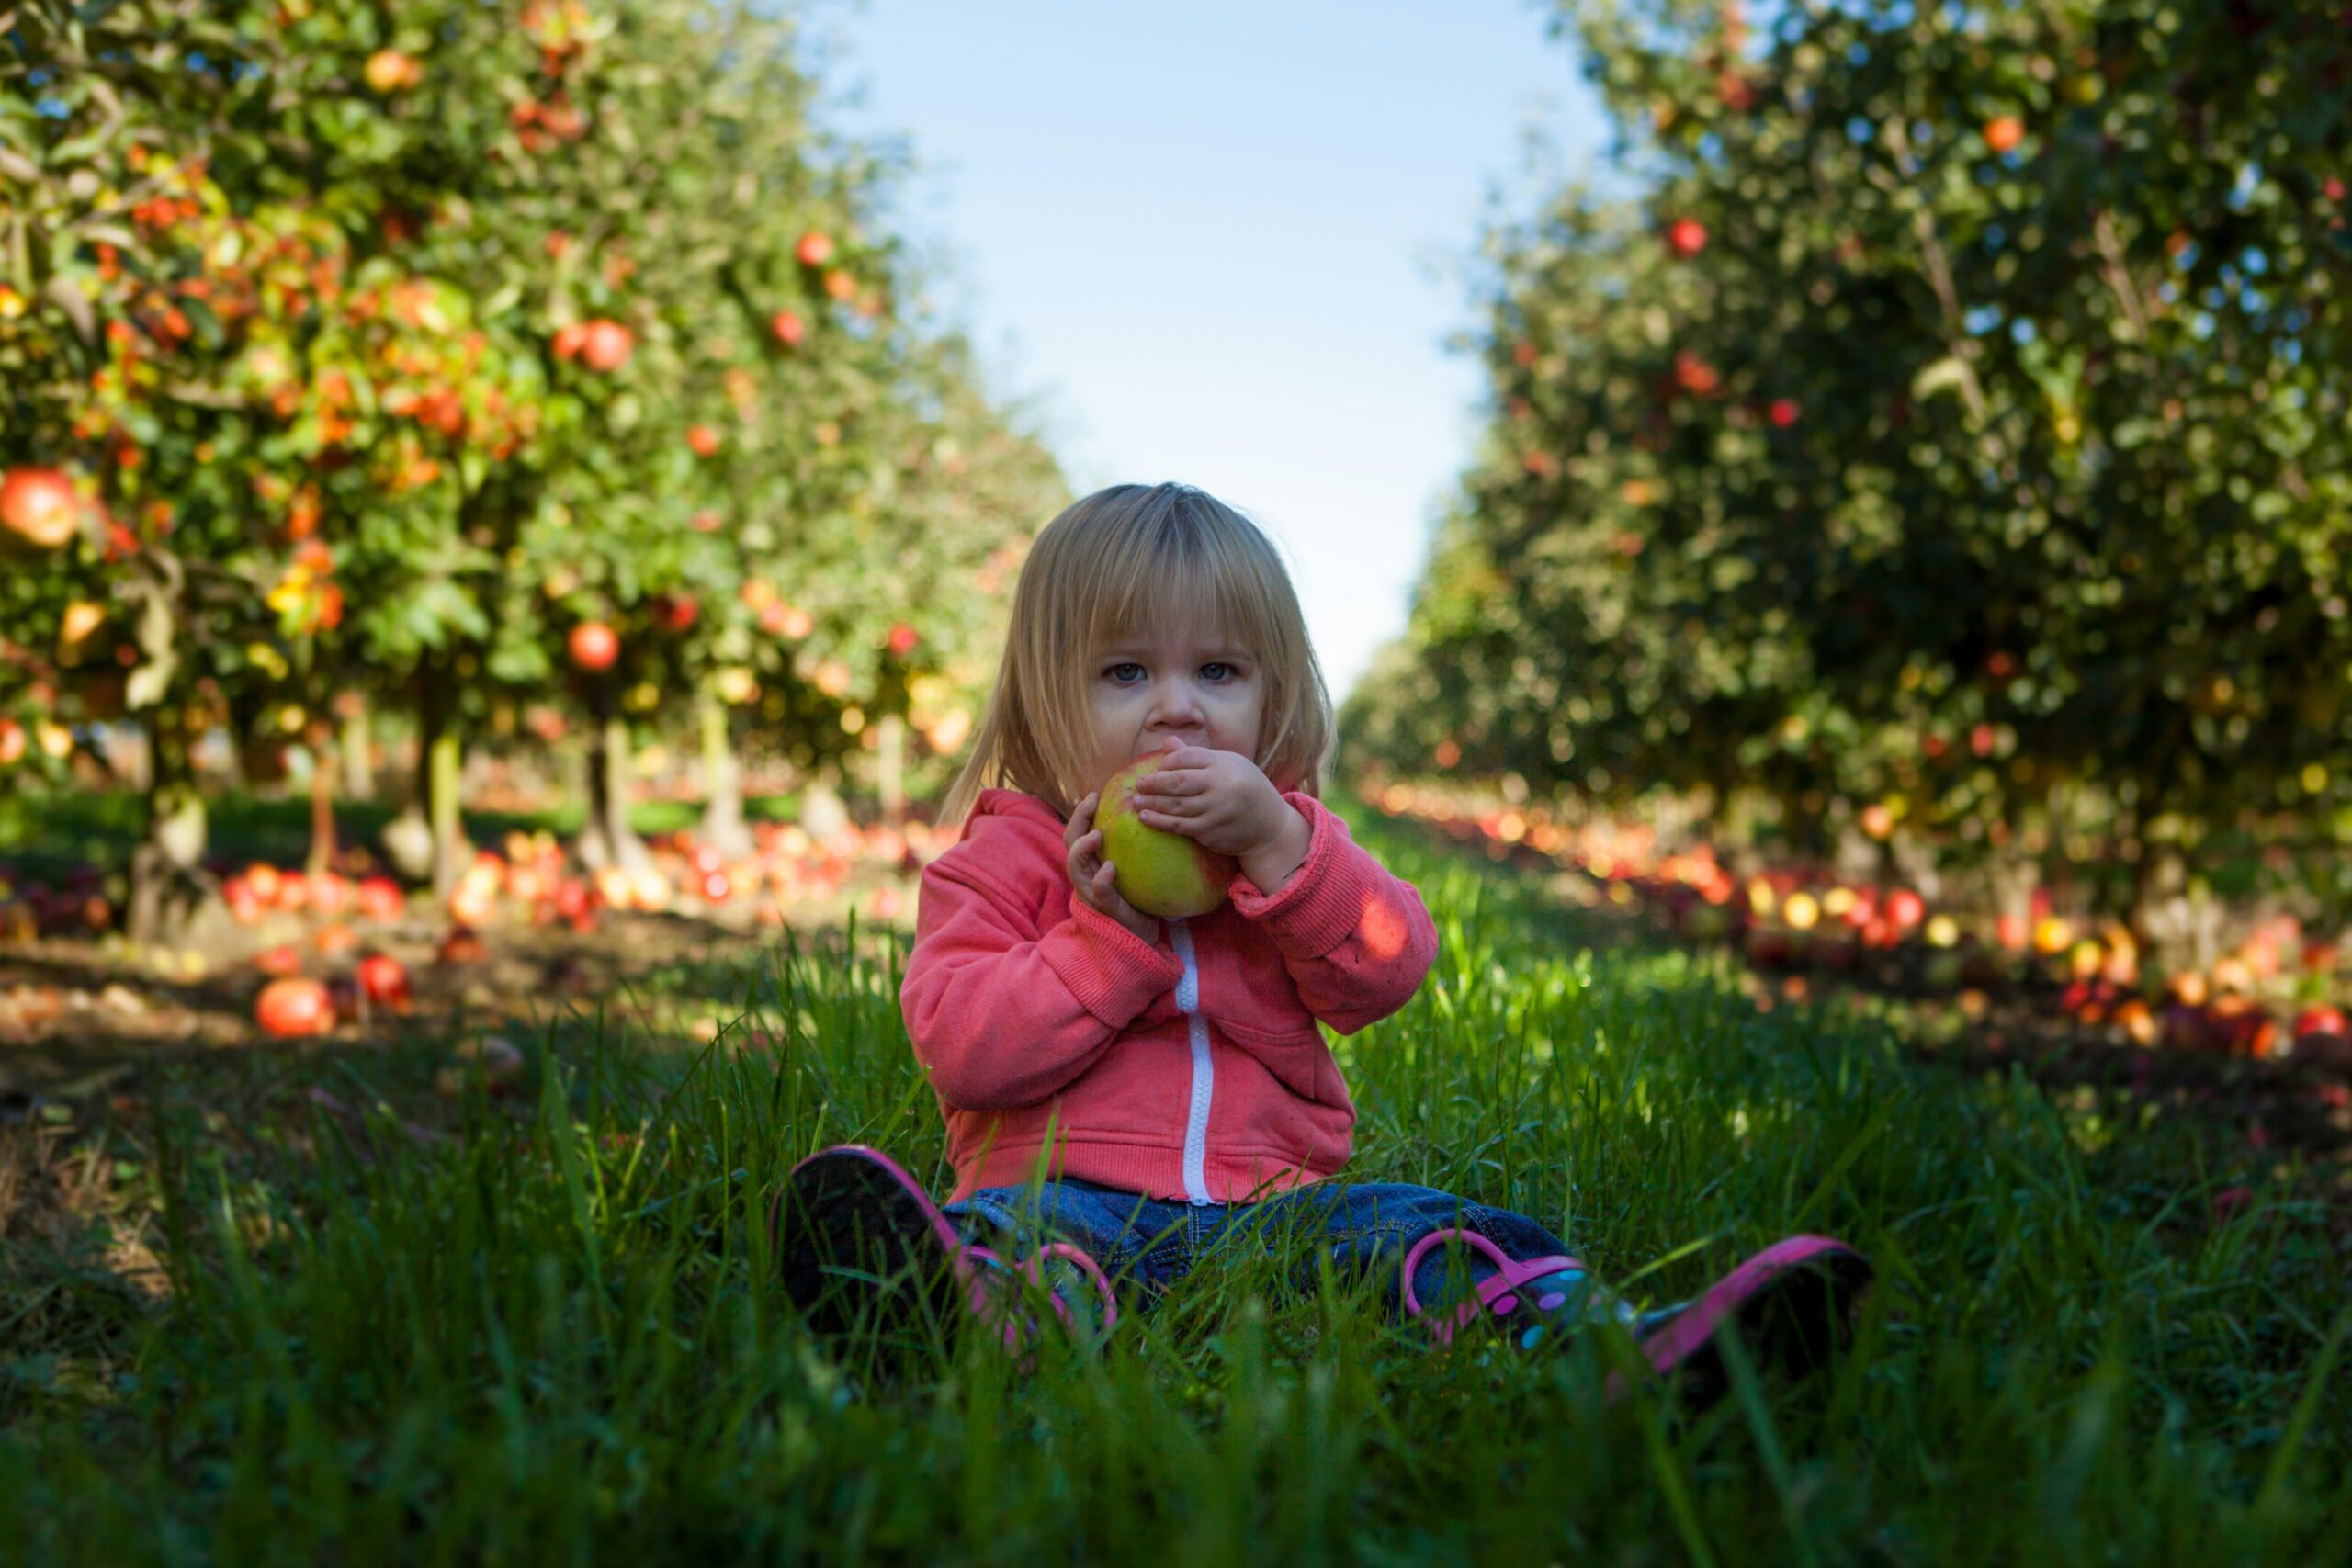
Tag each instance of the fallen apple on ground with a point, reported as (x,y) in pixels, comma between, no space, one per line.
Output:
(293,1007)
(1158,872)
(384,981)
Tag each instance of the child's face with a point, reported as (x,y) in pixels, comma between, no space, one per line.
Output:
(1198,687)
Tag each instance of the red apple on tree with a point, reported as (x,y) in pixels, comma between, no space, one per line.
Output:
(1693,374)
(570,340)
(815,249)
(788,327)
(1686,237)
(594,646)
(703,440)
(39,506)
(606,346)
(2003,132)
(903,639)
(389,71)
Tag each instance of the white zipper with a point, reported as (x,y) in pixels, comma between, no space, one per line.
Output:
(1196,1122)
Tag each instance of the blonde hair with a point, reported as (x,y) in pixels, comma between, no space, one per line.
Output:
(1127,561)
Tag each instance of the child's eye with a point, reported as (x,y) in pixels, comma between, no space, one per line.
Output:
(1216,664)
(1114,671)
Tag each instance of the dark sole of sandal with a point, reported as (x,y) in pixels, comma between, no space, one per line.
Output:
(1792,1327)
(855,1247)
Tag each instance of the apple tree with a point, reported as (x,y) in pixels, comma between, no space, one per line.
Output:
(1944,441)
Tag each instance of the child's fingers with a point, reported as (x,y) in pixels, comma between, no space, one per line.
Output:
(1116,907)
(1084,862)
(1081,817)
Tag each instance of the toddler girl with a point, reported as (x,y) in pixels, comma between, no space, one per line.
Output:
(1126,1093)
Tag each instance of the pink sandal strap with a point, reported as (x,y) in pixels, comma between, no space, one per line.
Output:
(1091,1270)
(1019,1328)
(1496,1294)
(1720,1307)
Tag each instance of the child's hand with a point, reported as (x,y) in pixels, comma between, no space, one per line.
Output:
(1093,880)
(1220,800)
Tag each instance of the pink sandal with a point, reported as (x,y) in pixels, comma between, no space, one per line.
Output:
(1792,1304)
(858,1219)
(1499,1294)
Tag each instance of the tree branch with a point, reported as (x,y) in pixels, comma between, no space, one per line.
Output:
(2119,276)
(1938,264)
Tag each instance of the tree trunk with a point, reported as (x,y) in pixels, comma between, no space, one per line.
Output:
(2160,909)
(323,847)
(2012,877)
(169,891)
(892,745)
(359,772)
(440,761)
(722,784)
(607,838)
(822,815)
(452,851)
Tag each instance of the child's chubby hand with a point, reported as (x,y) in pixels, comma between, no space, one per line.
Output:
(1220,800)
(1093,880)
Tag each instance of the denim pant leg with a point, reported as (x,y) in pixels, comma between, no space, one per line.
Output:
(1148,1241)
(1364,1227)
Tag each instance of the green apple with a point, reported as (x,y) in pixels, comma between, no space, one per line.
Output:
(1158,872)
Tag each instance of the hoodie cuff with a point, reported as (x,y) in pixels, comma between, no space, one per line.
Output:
(1323,900)
(1114,973)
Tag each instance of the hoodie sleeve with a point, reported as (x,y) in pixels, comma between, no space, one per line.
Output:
(1356,938)
(1004,1015)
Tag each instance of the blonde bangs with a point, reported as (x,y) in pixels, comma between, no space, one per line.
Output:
(1133,561)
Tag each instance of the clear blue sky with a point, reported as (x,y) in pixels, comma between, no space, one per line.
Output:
(1223,243)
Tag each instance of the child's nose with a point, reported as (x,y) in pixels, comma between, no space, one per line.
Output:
(1178,704)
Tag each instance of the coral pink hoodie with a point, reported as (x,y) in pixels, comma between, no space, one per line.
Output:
(1189,1070)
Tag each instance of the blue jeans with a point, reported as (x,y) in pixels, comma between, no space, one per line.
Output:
(1150,1242)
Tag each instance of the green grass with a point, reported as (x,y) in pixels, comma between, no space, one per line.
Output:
(559,1340)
